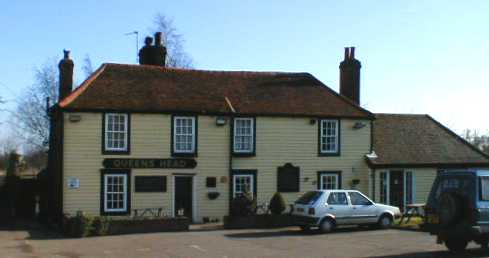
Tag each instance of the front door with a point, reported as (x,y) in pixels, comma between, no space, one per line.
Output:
(183,196)
(396,187)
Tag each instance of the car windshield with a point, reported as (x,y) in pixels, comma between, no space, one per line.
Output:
(309,197)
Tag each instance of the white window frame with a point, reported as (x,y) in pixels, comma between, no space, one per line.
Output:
(336,181)
(387,188)
(235,134)
(413,186)
(175,118)
(251,177)
(322,136)
(106,132)
(124,208)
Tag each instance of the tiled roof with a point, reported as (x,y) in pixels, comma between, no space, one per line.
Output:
(419,140)
(142,88)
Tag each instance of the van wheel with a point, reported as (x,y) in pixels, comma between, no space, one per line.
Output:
(456,245)
(385,221)
(326,226)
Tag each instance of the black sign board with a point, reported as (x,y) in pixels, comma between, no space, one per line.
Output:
(149,163)
(149,184)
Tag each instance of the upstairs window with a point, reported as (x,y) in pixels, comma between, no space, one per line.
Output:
(243,140)
(329,137)
(184,135)
(116,132)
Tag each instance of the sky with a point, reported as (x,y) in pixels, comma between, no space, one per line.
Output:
(425,57)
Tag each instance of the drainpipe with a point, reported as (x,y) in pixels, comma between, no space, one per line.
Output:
(230,159)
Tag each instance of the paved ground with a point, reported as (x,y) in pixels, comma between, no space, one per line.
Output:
(288,242)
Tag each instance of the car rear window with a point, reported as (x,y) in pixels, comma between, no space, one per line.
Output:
(309,197)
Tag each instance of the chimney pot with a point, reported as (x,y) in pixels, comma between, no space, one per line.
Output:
(350,76)
(65,75)
(158,39)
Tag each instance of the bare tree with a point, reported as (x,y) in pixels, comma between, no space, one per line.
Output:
(31,118)
(173,41)
(476,139)
(87,66)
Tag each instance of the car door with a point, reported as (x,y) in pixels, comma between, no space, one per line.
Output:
(363,210)
(337,205)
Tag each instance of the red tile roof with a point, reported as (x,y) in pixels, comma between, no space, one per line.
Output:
(403,140)
(143,88)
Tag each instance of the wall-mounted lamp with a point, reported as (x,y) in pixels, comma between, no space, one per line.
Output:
(221,120)
(74,118)
(359,125)
(306,179)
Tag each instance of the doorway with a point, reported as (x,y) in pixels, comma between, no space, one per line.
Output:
(396,187)
(183,193)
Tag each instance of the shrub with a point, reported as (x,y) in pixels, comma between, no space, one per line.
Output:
(242,205)
(101,226)
(277,204)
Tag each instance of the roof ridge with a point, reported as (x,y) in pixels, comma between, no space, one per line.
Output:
(458,137)
(177,69)
(400,114)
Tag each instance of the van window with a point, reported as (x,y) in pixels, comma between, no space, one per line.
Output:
(309,198)
(458,183)
(484,188)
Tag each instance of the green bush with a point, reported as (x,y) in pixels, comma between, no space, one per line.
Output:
(83,225)
(277,204)
(242,206)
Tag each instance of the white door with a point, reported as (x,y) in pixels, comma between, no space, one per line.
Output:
(329,182)
(243,184)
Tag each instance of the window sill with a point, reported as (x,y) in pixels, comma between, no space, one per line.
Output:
(184,154)
(329,154)
(244,154)
(114,152)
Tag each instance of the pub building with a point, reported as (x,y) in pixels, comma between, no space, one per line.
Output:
(147,136)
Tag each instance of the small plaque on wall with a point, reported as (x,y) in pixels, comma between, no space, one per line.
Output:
(150,184)
(73,183)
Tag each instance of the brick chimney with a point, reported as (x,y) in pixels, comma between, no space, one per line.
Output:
(153,54)
(65,75)
(350,76)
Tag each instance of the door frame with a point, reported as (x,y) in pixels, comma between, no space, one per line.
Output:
(194,199)
(404,192)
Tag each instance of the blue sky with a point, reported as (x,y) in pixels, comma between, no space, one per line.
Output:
(417,56)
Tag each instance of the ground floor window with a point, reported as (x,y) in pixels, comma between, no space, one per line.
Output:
(115,192)
(409,187)
(244,181)
(328,180)
(384,187)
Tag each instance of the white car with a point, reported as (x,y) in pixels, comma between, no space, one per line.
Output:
(327,209)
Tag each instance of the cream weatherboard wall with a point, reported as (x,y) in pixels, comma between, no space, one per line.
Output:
(279,140)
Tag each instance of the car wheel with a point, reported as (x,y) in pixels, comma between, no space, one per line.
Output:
(456,245)
(326,226)
(385,222)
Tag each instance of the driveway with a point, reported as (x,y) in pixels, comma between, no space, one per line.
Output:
(286,242)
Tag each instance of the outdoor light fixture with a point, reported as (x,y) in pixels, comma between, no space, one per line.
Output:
(359,125)
(74,118)
(221,120)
